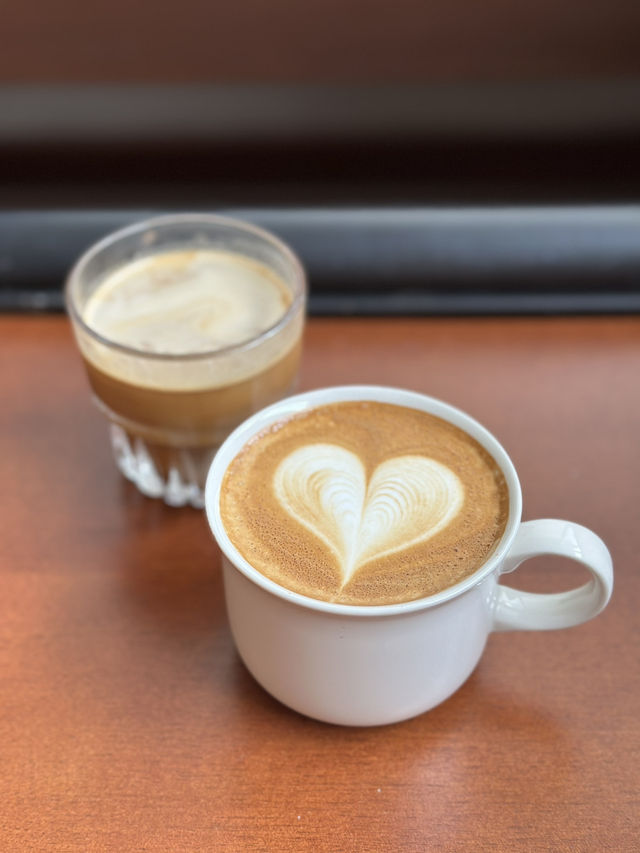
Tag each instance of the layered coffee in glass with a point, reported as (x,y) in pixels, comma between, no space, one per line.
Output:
(187,324)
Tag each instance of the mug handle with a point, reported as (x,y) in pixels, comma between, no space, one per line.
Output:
(514,610)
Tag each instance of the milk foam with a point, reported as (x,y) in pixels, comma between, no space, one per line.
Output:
(361,502)
(407,500)
(187,302)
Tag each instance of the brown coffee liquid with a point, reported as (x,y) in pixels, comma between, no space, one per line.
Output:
(169,421)
(364,503)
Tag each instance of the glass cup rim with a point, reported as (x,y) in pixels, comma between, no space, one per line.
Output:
(308,400)
(300,284)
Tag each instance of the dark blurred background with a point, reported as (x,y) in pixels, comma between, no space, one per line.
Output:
(299,105)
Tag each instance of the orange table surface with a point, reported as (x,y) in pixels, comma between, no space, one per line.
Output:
(127,721)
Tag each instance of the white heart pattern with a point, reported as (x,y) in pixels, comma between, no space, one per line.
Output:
(407,500)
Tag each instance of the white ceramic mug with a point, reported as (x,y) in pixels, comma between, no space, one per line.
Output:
(369,665)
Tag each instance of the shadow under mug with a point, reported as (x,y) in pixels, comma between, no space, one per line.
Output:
(372,665)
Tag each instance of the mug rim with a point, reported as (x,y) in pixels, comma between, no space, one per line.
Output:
(307,400)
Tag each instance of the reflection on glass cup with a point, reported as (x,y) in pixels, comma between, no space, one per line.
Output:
(187,324)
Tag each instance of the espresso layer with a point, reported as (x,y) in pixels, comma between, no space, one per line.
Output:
(201,417)
(364,503)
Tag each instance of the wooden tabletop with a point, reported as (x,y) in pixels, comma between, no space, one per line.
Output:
(128,723)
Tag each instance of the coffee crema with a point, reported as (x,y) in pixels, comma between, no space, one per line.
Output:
(364,503)
(187,301)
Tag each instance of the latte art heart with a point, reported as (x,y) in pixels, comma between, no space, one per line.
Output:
(364,503)
(407,501)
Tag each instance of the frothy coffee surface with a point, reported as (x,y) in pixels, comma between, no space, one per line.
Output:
(364,503)
(187,301)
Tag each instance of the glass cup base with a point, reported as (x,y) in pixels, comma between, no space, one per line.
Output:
(176,475)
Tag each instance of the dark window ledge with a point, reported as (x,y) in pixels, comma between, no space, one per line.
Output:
(385,260)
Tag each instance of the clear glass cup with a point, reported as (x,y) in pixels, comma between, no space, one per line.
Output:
(168,413)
